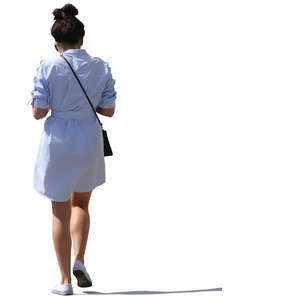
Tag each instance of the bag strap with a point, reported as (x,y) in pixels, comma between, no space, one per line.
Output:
(82,89)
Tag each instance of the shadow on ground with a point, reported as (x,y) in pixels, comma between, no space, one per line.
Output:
(148,292)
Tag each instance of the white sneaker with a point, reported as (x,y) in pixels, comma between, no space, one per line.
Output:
(62,289)
(80,272)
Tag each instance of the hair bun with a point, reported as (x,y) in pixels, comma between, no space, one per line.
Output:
(57,14)
(67,10)
(70,9)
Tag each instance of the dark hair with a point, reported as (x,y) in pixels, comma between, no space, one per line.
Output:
(67,28)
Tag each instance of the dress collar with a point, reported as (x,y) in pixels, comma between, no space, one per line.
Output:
(75,51)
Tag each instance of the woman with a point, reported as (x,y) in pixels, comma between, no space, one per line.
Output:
(70,160)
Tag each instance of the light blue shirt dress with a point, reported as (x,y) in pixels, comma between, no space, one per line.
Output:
(70,155)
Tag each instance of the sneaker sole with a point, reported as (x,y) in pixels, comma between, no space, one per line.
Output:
(82,281)
(62,293)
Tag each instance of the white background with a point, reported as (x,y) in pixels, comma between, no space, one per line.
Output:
(203,188)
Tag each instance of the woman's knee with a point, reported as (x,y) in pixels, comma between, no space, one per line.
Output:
(81,199)
(61,210)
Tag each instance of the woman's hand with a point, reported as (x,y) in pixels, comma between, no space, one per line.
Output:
(39,113)
(108,112)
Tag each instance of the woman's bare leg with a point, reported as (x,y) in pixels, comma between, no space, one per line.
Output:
(62,238)
(80,223)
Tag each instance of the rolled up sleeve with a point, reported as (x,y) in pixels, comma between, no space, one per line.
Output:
(109,93)
(40,92)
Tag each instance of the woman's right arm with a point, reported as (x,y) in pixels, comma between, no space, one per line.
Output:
(106,106)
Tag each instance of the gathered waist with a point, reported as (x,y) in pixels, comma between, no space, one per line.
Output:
(73,114)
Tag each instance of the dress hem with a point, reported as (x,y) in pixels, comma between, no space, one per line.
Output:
(77,191)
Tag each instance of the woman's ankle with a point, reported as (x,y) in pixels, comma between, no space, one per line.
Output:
(80,259)
(66,281)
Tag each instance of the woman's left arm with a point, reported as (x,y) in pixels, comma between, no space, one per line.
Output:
(40,94)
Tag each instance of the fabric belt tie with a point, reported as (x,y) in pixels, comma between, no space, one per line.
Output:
(73,114)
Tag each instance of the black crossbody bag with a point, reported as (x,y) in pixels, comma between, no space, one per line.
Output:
(107,148)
